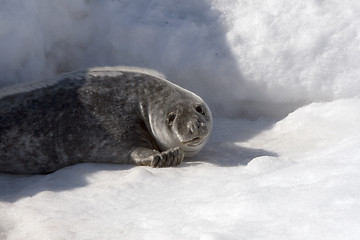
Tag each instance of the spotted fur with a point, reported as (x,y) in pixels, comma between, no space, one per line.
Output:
(109,114)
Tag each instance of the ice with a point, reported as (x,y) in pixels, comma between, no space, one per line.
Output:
(282,79)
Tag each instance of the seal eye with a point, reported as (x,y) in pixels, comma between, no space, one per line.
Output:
(200,110)
(171,118)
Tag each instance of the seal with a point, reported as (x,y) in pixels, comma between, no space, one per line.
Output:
(107,115)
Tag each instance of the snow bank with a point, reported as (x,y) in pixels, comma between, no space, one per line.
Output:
(246,58)
(298,185)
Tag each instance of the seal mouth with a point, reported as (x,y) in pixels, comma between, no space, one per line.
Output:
(194,142)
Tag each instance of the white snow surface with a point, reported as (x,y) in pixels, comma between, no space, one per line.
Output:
(282,78)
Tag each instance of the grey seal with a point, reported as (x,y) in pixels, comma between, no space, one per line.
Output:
(107,114)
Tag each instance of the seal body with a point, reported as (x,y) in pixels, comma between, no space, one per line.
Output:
(108,114)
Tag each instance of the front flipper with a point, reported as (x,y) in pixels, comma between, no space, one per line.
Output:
(149,157)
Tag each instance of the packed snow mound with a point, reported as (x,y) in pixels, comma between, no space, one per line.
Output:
(313,127)
(245,58)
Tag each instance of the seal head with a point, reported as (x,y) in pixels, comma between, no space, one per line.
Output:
(185,123)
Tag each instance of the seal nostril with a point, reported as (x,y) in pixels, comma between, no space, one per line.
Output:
(191,130)
(202,128)
(200,125)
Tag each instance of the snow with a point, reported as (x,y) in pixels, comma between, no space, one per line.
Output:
(282,79)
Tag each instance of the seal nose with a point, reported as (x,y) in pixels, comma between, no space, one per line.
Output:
(202,127)
(197,128)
